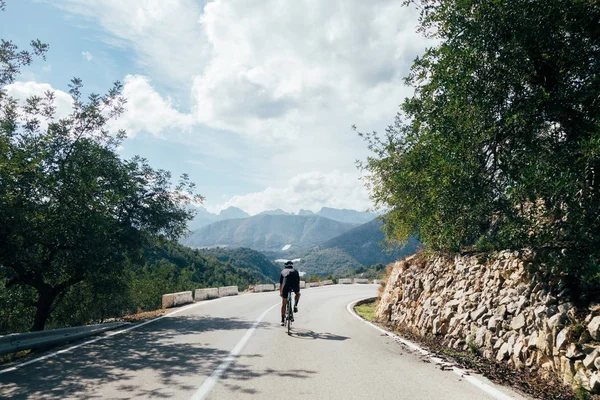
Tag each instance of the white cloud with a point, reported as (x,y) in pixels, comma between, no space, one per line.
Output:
(165,36)
(147,111)
(309,191)
(87,55)
(288,77)
(21,91)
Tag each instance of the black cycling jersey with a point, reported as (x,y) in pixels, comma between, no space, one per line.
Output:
(289,280)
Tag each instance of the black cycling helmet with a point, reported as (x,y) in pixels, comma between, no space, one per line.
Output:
(289,263)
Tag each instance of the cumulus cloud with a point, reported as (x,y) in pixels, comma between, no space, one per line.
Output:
(87,55)
(21,91)
(148,111)
(279,69)
(309,191)
(290,77)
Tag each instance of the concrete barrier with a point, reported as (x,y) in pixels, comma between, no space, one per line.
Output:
(302,285)
(345,281)
(376,281)
(326,283)
(313,284)
(264,288)
(176,299)
(228,291)
(206,294)
(277,286)
(361,280)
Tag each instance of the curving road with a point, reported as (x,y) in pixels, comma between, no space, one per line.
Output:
(234,348)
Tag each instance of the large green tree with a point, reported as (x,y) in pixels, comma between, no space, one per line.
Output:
(500,145)
(71,210)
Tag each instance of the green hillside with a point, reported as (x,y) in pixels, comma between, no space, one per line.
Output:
(248,260)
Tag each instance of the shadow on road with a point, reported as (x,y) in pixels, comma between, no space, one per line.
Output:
(164,353)
(308,334)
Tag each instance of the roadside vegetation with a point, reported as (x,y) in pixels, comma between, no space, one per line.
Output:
(499,147)
(367,310)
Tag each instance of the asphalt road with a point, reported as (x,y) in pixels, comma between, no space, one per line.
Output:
(221,349)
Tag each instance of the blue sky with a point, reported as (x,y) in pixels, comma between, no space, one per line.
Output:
(253,98)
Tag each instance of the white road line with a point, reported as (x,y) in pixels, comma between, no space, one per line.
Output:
(109,335)
(212,380)
(495,393)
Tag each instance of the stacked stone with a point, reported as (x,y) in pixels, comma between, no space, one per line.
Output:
(500,305)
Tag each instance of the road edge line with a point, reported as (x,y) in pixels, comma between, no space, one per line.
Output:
(490,390)
(210,382)
(107,336)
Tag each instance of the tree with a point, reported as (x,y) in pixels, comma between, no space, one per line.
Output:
(71,210)
(500,145)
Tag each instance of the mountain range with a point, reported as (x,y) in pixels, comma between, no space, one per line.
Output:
(268,232)
(331,241)
(204,217)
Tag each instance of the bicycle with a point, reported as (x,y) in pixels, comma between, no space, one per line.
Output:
(289,312)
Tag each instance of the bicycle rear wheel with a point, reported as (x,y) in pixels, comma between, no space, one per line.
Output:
(289,314)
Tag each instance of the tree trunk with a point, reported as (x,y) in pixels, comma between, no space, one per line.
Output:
(43,305)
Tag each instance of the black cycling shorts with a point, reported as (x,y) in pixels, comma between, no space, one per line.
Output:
(285,290)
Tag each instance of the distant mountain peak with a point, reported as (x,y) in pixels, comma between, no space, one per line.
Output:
(233,213)
(305,212)
(278,211)
(345,215)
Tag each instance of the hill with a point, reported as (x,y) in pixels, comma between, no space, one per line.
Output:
(363,244)
(246,259)
(325,262)
(353,252)
(268,232)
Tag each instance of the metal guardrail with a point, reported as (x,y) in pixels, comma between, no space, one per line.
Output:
(33,340)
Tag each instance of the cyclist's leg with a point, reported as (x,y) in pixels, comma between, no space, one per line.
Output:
(283,306)
(297,299)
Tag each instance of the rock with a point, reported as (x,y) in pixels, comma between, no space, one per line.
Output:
(594,328)
(494,323)
(597,363)
(568,370)
(585,337)
(532,340)
(588,362)
(544,342)
(480,336)
(475,315)
(574,352)
(595,383)
(556,321)
(503,352)
(564,308)
(516,352)
(581,377)
(518,322)
(500,311)
(439,327)
(563,338)
(453,304)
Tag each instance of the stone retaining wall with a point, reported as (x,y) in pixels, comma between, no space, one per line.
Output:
(503,307)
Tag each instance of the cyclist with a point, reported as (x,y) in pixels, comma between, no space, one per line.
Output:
(288,280)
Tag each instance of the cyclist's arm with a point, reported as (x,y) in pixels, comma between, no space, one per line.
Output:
(280,284)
